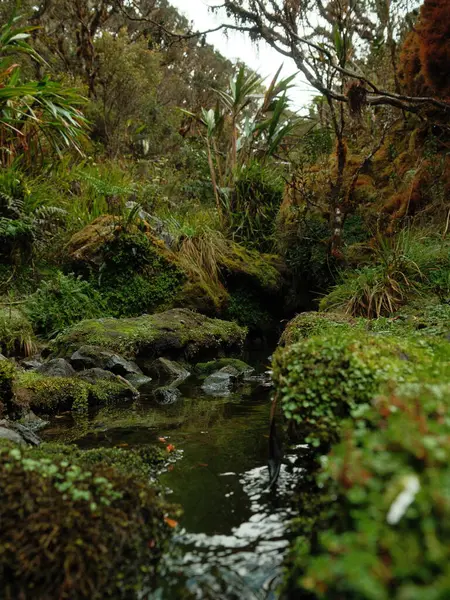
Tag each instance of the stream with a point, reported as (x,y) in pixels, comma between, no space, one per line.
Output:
(231,539)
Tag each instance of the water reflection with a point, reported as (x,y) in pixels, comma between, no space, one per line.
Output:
(247,562)
(232,538)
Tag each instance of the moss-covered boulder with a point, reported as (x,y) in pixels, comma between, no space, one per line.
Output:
(383,506)
(234,282)
(136,272)
(207,368)
(46,394)
(78,525)
(325,378)
(308,324)
(260,271)
(176,334)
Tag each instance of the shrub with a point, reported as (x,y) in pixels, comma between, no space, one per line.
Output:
(87,529)
(403,268)
(245,308)
(16,333)
(252,207)
(61,302)
(303,242)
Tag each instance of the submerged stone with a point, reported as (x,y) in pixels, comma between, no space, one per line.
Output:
(221,382)
(212,366)
(87,357)
(167,395)
(166,369)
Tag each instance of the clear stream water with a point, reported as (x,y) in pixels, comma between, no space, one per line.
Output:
(232,537)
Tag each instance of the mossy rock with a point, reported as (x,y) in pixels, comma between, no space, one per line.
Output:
(206,368)
(207,297)
(16,333)
(7,375)
(78,525)
(323,379)
(177,334)
(308,324)
(260,271)
(137,273)
(44,394)
(87,245)
(259,275)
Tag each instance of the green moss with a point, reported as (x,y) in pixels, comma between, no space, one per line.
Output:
(361,551)
(209,367)
(327,377)
(137,276)
(88,528)
(143,462)
(207,297)
(308,324)
(52,394)
(262,271)
(177,333)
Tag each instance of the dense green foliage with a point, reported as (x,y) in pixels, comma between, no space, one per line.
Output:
(367,546)
(399,270)
(380,387)
(16,333)
(326,377)
(61,302)
(136,278)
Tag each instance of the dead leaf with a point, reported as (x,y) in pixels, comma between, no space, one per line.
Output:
(171,522)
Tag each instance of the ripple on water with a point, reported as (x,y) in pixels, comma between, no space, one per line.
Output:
(245,564)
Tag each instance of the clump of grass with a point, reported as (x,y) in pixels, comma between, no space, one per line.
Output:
(16,333)
(406,267)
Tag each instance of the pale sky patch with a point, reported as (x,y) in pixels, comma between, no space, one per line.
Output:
(238,46)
